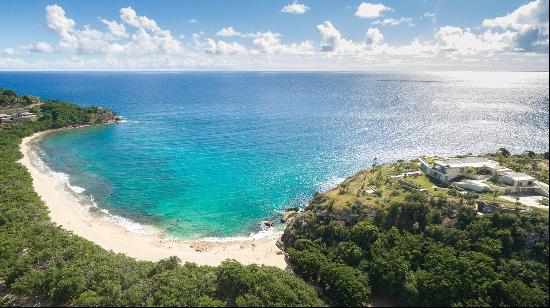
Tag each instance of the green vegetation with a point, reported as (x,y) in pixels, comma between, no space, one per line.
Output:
(529,162)
(41,263)
(419,248)
(375,235)
(9,98)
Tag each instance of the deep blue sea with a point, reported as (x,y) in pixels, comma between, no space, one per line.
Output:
(211,154)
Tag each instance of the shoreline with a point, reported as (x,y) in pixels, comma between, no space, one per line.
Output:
(70,215)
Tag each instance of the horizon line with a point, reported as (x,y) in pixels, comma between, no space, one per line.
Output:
(267,71)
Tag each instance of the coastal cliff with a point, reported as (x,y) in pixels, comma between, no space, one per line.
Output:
(49,114)
(388,235)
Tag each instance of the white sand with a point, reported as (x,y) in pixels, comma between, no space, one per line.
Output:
(65,211)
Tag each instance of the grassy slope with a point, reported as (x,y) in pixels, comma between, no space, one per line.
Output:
(386,243)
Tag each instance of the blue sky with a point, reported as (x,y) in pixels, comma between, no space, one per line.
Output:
(274,35)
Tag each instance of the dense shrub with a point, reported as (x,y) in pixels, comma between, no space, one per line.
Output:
(404,252)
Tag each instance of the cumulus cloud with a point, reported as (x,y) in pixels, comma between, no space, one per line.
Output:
(115,29)
(332,41)
(529,21)
(228,31)
(448,41)
(224,48)
(532,13)
(129,16)
(61,25)
(370,10)
(270,42)
(295,8)
(137,41)
(373,37)
(147,38)
(331,37)
(40,47)
(464,42)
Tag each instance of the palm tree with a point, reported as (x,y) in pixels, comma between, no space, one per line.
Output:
(496,193)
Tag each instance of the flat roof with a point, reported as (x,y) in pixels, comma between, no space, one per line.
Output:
(475,162)
(518,176)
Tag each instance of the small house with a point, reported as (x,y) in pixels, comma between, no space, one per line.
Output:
(5,118)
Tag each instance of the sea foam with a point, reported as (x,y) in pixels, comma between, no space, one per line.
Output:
(84,201)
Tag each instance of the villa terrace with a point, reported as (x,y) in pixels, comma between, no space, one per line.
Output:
(482,175)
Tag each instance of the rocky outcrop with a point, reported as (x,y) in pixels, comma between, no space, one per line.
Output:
(299,225)
(288,214)
(320,211)
(103,116)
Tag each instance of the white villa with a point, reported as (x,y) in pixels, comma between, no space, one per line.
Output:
(18,117)
(474,173)
(5,117)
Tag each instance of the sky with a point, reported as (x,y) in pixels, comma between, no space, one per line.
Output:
(301,35)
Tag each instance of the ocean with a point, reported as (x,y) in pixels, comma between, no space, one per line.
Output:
(212,154)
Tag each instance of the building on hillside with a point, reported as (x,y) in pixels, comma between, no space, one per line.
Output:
(517,182)
(474,173)
(24,116)
(475,168)
(5,118)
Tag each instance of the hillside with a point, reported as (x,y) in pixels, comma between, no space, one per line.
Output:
(411,242)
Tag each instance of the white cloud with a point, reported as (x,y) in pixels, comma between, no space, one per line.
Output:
(332,41)
(116,29)
(269,42)
(91,41)
(530,21)
(393,21)
(139,42)
(40,47)
(373,37)
(448,42)
(129,16)
(60,24)
(370,10)
(530,14)
(9,52)
(192,21)
(43,47)
(428,15)
(455,40)
(295,8)
(148,37)
(228,31)
(224,48)
(331,37)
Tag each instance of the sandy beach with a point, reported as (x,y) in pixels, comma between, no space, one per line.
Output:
(65,211)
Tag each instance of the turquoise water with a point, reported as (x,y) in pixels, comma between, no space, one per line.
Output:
(213,154)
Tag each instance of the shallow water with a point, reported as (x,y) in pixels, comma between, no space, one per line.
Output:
(213,154)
